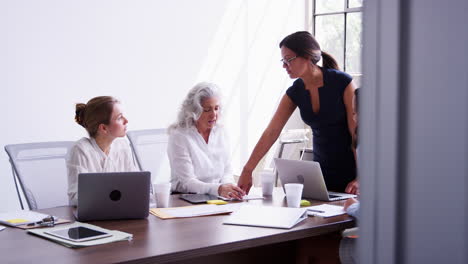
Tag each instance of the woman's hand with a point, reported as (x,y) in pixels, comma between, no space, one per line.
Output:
(231,191)
(349,202)
(245,180)
(353,187)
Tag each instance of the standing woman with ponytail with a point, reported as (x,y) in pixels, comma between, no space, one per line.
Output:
(324,97)
(102,152)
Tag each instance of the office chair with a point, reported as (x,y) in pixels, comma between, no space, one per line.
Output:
(292,136)
(40,171)
(150,149)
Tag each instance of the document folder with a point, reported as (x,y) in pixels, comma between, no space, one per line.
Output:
(193,211)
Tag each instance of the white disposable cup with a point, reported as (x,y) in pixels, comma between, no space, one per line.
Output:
(293,194)
(268,182)
(162,191)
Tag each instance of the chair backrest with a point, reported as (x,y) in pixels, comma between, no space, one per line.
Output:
(150,149)
(40,171)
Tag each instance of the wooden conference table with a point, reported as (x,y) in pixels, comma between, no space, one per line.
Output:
(189,240)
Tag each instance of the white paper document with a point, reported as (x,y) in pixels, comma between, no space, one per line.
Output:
(2,227)
(252,197)
(244,198)
(267,216)
(325,210)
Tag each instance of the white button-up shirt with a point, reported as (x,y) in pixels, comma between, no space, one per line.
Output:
(86,156)
(197,166)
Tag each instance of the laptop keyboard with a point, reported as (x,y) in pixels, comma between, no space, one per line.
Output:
(331,196)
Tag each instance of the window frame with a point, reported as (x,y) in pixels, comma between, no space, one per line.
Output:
(346,10)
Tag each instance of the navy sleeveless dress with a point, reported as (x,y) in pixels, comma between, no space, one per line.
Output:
(331,138)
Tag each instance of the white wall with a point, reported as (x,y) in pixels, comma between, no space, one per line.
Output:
(146,53)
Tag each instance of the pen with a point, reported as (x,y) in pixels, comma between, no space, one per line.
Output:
(48,221)
(316,211)
(35,223)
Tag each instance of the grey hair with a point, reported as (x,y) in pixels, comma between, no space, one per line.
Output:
(191,109)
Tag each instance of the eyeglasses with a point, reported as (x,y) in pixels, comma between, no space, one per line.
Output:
(49,221)
(288,61)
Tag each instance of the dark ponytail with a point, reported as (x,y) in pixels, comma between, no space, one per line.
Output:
(328,61)
(79,114)
(306,46)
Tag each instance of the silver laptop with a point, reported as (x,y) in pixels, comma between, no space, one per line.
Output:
(308,173)
(113,195)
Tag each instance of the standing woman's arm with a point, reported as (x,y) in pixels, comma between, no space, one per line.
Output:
(353,186)
(348,95)
(269,136)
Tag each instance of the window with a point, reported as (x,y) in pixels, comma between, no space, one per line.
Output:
(337,26)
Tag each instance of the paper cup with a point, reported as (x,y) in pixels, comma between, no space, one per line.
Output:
(293,194)
(268,182)
(162,192)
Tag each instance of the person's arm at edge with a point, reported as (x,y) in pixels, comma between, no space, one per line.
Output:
(269,136)
(76,163)
(351,207)
(353,186)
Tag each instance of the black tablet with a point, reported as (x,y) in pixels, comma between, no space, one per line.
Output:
(78,234)
(197,198)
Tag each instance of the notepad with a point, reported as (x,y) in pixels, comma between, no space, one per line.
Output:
(267,216)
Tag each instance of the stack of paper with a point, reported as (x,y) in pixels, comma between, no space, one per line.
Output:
(267,216)
(116,236)
(325,210)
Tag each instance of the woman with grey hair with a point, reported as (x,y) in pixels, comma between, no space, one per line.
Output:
(198,148)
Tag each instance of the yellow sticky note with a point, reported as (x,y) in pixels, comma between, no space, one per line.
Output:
(17,221)
(216,202)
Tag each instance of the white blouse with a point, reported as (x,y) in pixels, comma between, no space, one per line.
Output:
(197,166)
(86,156)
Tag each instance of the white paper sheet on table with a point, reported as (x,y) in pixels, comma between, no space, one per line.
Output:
(267,216)
(244,198)
(325,210)
(252,197)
